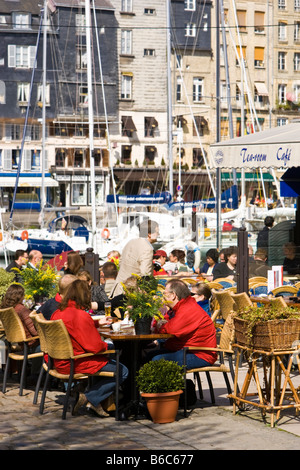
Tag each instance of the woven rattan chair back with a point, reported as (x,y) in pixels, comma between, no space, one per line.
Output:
(190,281)
(38,328)
(256,279)
(278,302)
(225,302)
(227,333)
(215,285)
(225,282)
(58,342)
(13,326)
(284,290)
(241,301)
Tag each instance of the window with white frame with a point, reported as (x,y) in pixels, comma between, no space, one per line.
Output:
(21,20)
(149,11)
(197,89)
(21,56)
(282,31)
(281,94)
(281,60)
(23,93)
(2,92)
(297,31)
(126,86)
(80,23)
(297,61)
(178,61)
(297,93)
(83,96)
(281,4)
(79,194)
(126,6)
(297,5)
(149,52)
(81,58)
(223,92)
(190,5)
(178,89)
(282,121)
(40,94)
(190,30)
(126,41)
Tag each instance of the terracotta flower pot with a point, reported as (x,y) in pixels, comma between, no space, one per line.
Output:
(162,407)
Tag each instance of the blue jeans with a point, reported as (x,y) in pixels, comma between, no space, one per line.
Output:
(192,361)
(102,387)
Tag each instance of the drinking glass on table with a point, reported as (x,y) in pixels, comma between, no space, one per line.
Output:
(107,309)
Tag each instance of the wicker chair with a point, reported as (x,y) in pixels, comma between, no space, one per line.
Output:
(190,280)
(284,291)
(278,302)
(241,301)
(15,333)
(225,282)
(256,279)
(224,348)
(57,344)
(215,285)
(225,304)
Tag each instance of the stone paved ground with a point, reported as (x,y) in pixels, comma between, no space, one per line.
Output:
(206,428)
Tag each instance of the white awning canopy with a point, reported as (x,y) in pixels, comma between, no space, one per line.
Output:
(278,147)
(261,89)
(10,181)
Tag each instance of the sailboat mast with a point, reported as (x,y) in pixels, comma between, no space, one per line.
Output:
(91,118)
(169,85)
(45,23)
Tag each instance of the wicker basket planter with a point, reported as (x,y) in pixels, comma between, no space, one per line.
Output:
(267,335)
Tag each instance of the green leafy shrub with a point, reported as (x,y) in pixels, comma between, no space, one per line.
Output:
(6,279)
(160,376)
(254,315)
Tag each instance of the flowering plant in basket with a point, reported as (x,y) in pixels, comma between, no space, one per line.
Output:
(142,300)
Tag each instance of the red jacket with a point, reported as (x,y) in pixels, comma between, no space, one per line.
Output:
(84,337)
(192,327)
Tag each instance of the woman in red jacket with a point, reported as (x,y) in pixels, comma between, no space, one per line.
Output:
(190,325)
(85,338)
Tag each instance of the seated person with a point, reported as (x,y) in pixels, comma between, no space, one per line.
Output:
(99,296)
(190,325)
(212,257)
(14,297)
(227,269)
(108,275)
(159,260)
(290,262)
(51,305)
(85,338)
(259,266)
(176,262)
(202,294)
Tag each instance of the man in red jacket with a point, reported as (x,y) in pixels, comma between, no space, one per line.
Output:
(190,325)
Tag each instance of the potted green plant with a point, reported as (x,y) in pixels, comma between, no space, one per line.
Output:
(160,383)
(143,303)
(267,327)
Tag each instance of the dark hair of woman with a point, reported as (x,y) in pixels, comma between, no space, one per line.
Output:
(75,263)
(80,293)
(180,255)
(13,296)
